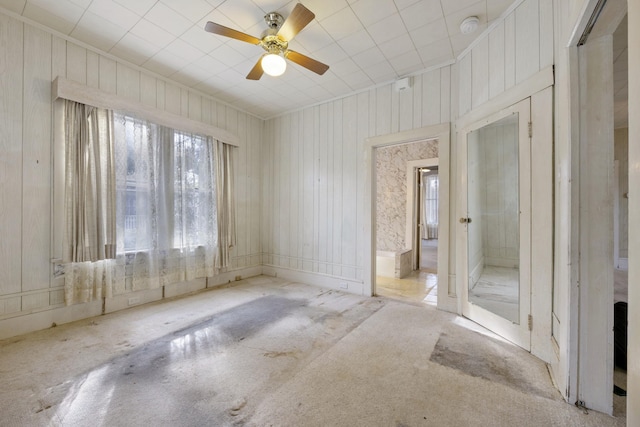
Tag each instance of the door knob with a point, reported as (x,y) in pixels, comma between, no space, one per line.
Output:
(465,220)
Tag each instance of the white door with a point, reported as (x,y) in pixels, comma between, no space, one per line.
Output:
(496,223)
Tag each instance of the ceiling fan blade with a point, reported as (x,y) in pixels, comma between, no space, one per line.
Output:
(256,72)
(299,18)
(308,63)
(214,28)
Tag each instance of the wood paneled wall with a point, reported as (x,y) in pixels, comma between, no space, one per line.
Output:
(314,179)
(30,59)
(514,50)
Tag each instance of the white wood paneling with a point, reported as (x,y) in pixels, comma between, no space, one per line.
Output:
(464,85)
(546,33)
(31,220)
(497,60)
(148,91)
(511,52)
(11,57)
(93,70)
(527,40)
(314,203)
(480,73)
(36,163)
(76,63)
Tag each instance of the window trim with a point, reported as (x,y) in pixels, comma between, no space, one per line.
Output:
(67,89)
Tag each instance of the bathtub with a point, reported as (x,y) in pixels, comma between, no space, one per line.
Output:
(395,264)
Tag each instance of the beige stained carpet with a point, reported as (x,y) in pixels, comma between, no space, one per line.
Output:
(267,352)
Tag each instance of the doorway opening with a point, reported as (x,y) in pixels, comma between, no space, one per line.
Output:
(407,221)
(621,214)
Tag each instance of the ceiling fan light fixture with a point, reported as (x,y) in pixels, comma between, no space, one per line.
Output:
(273,64)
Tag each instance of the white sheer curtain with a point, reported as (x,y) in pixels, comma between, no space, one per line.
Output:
(146,205)
(90,232)
(430,206)
(226,203)
(166,218)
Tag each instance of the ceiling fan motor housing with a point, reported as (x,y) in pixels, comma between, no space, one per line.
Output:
(274,20)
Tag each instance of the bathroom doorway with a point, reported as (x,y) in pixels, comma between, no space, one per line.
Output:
(402,173)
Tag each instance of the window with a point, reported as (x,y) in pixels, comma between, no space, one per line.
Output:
(136,204)
(166,192)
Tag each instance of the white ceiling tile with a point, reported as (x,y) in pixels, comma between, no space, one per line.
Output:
(114,13)
(165,17)
(437,50)
(184,50)
(371,11)
(495,8)
(453,6)
(381,72)
(193,10)
(201,39)
(232,76)
(403,4)
(407,63)
(16,6)
(211,64)
(140,7)
(345,67)
(96,31)
(421,13)
(363,42)
(82,3)
(271,5)
(164,63)
(429,33)
(341,24)
(357,42)
(368,58)
(151,33)
(357,80)
(61,16)
(398,46)
(243,13)
(134,49)
(228,55)
(184,78)
(313,37)
(325,8)
(330,54)
(387,29)
(220,18)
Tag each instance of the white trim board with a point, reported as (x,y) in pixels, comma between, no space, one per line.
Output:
(67,89)
(446,295)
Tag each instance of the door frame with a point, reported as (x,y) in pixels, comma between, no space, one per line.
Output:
(414,198)
(518,333)
(447,299)
(540,88)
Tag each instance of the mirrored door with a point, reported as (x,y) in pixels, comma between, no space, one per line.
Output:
(497,223)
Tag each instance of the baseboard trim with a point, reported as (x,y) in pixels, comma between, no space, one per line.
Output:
(317,279)
(23,324)
(32,322)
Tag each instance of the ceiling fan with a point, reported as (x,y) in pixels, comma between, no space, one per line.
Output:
(275,41)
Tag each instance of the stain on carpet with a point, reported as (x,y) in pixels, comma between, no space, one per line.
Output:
(480,356)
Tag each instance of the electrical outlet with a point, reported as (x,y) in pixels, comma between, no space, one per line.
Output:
(344,285)
(133,300)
